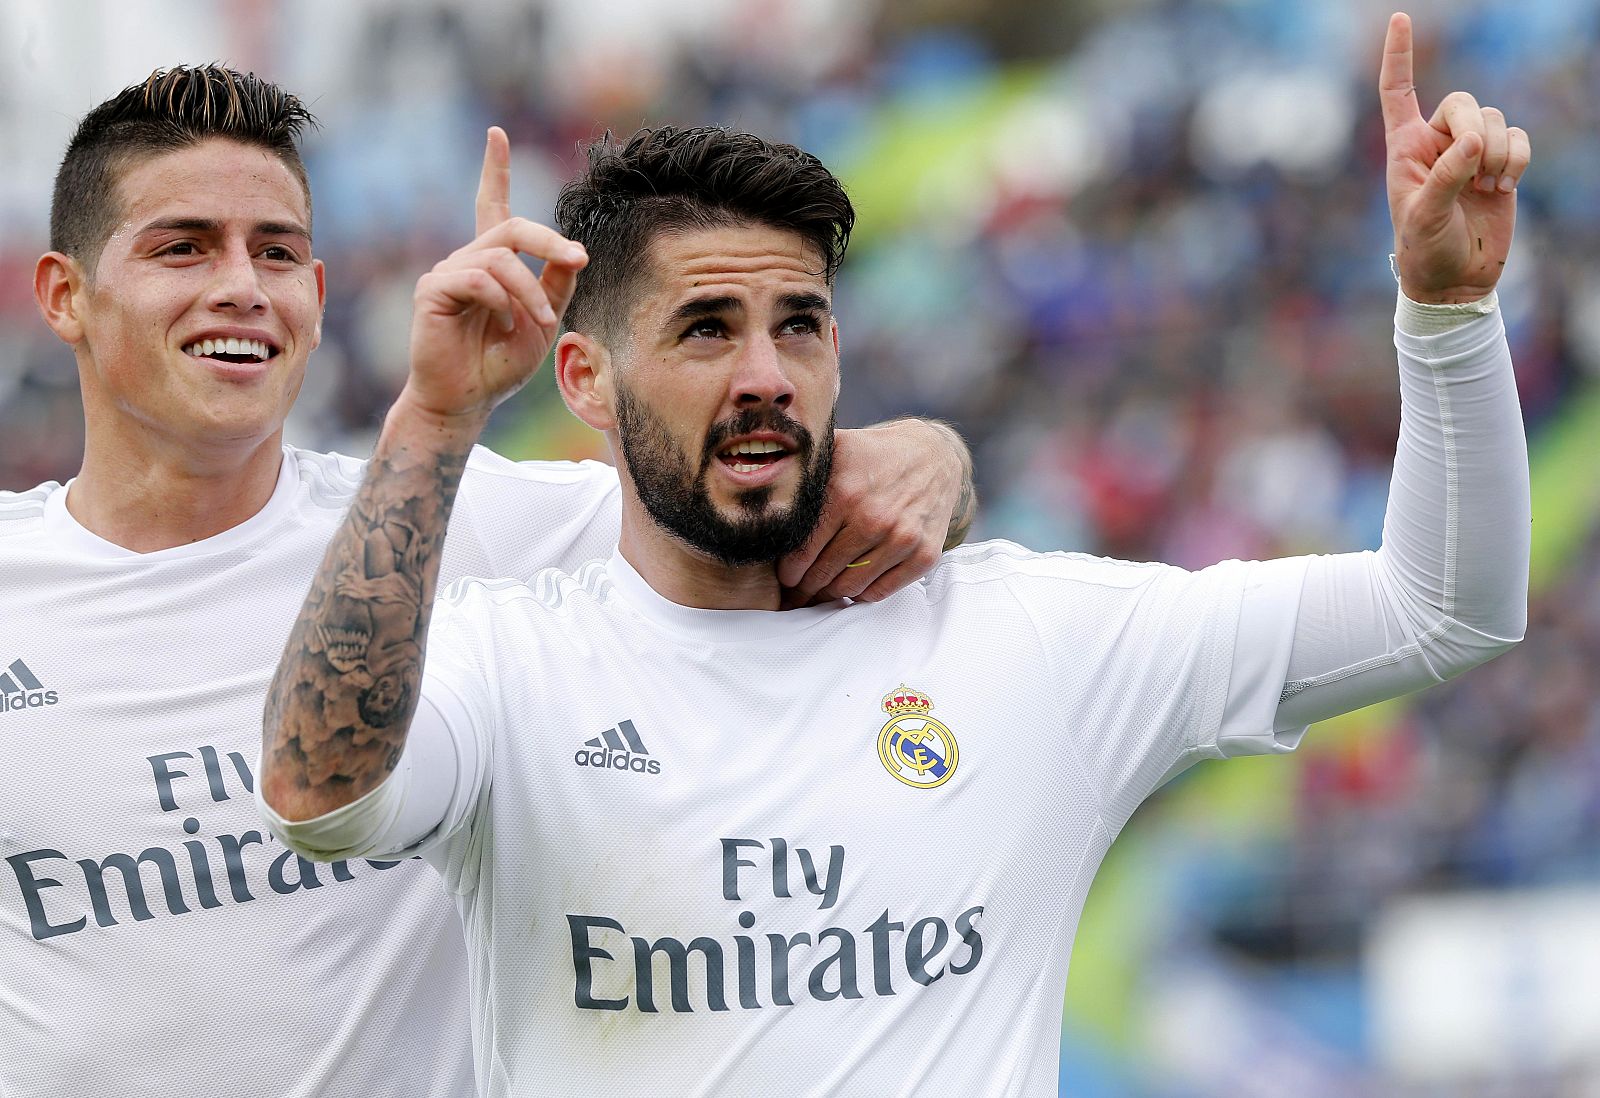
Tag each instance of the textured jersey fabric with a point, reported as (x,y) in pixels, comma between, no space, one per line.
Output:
(842,850)
(154,939)
(666,894)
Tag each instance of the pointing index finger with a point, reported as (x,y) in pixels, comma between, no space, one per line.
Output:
(1396,86)
(494,185)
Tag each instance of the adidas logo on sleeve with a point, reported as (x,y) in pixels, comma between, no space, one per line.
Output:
(21,689)
(618,748)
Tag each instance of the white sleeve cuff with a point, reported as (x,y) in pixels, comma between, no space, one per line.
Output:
(404,813)
(1418,318)
(337,835)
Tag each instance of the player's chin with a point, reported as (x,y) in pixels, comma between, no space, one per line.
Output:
(240,415)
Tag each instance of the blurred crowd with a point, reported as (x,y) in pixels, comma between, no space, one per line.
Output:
(1135,252)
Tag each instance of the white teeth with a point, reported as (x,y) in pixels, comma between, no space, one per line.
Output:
(754,448)
(741,467)
(230,346)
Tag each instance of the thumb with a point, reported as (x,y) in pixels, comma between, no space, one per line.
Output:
(1450,175)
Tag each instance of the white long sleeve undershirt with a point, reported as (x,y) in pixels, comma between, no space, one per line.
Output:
(1447,590)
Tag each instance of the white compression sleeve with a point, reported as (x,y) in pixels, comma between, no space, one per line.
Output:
(432,788)
(1448,588)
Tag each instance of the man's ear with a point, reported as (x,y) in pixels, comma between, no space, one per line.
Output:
(319,273)
(583,373)
(838,368)
(57,278)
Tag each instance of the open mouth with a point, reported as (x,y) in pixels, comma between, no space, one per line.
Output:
(749,456)
(230,350)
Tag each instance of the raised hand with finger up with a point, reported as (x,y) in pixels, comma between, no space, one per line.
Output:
(1452,183)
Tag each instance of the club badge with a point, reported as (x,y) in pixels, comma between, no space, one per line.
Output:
(914,747)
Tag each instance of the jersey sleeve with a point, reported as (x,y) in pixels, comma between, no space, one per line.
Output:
(1154,667)
(514,519)
(459,683)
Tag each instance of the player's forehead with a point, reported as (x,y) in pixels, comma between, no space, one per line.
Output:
(754,265)
(218,180)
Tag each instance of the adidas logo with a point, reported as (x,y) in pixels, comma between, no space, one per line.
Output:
(19,689)
(618,748)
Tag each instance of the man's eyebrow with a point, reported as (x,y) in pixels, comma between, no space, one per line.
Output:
(700,307)
(211,225)
(805,303)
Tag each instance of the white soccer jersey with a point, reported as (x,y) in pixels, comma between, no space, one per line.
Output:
(859,870)
(154,939)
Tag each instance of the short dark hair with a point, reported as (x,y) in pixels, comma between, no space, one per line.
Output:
(669,179)
(172,109)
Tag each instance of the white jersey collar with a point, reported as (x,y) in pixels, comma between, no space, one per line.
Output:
(71,535)
(716,626)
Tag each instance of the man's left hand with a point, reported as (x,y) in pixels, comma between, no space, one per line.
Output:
(900,494)
(1452,183)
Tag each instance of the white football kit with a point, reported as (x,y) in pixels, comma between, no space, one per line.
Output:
(843,850)
(154,939)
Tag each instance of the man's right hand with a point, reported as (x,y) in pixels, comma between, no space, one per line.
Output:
(482,321)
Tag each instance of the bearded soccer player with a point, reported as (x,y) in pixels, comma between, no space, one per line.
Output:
(153,939)
(706,848)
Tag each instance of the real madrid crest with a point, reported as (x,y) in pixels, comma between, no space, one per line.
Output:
(914,747)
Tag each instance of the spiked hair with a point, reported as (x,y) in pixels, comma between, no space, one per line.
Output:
(172,109)
(675,180)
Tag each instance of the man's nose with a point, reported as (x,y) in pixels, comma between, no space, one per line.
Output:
(762,377)
(237,284)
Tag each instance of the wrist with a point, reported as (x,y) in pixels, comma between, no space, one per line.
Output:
(1447,295)
(414,421)
(413,415)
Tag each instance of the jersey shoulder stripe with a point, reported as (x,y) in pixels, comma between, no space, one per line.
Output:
(20,512)
(550,588)
(998,561)
(330,480)
(484,462)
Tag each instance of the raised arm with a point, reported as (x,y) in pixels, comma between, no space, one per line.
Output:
(345,691)
(1448,588)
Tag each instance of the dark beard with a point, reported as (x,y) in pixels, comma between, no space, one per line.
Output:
(678,499)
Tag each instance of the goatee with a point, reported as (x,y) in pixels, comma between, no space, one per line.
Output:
(679,499)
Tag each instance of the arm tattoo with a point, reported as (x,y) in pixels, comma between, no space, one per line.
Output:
(342,700)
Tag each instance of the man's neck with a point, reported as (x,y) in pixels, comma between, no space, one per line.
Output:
(151,501)
(683,576)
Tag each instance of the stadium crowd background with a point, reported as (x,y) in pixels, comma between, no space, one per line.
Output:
(1135,250)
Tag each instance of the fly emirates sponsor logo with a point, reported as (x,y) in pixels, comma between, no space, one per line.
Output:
(766,967)
(65,892)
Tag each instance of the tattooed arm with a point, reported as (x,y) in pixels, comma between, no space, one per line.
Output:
(341,703)
(342,700)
